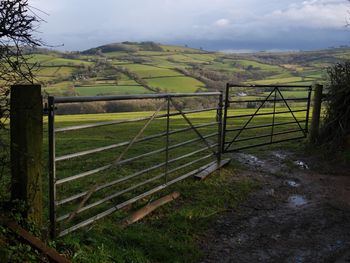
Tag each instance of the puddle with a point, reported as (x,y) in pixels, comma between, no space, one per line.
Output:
(249,159)
(297,201)
(279,155)
(301,164)
(292,183)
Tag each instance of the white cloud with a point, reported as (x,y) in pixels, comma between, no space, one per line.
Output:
(312,14)
(223,22)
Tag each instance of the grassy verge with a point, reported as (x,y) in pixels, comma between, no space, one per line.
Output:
(170,234)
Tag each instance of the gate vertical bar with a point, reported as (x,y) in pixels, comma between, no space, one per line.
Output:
(219,118)
(274,115)
(308,110)
(227,92)
(52,166)
(167,139)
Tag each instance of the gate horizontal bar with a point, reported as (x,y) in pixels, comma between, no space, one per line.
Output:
(103,168)
(132,97)
(101,201)
(99,124)
(263,114)
(263,144)
(130,201)
(264,126)
(266,135)
(107,123)
(80,195)
(268,86)
(278,100)
(113,146)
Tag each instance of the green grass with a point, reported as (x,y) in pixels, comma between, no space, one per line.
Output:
(54,60)
(202,57)
(55,71)
(227,66)
(110,90)
(58,88)
(119,62)
(146,71)
(292,94)
(287,80)
(185,58)
(163,61)
(255,64)
(176,84)
(168,235)
(152,53)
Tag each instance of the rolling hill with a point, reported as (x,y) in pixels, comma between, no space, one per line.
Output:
(146,67)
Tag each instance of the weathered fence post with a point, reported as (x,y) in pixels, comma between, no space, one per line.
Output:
(219,120)
(316,113)
(26,148)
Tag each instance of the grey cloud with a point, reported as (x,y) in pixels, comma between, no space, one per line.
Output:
(82,24)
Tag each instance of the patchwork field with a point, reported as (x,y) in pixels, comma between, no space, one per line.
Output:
(165,68)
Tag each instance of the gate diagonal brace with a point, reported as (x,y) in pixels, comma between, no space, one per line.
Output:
(138,135)
(192,126)
(253,115)
(115,163)
(296,120)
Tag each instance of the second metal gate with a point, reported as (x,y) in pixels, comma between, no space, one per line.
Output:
(258,115)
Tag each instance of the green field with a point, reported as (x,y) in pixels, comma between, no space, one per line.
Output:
(288,80)
(226,66)
(110,90)
(257,65)
(176,84)
(56,60)
(146,71)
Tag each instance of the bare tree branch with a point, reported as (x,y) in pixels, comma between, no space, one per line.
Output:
(18,29)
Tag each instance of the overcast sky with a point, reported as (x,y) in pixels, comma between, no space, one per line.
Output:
(211,24)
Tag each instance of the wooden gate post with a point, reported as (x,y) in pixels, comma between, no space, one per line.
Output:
(26,124)
(316,113)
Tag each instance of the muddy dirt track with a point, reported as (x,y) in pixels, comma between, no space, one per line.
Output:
(297,215)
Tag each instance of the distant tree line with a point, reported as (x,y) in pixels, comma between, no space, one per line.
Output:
(134,105)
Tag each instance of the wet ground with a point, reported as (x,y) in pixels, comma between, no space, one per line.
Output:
(297,215)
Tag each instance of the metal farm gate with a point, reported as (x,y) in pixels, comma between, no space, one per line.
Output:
(95,167)
(258,115)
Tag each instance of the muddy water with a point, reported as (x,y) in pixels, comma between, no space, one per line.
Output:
(292,183)
(296,201)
